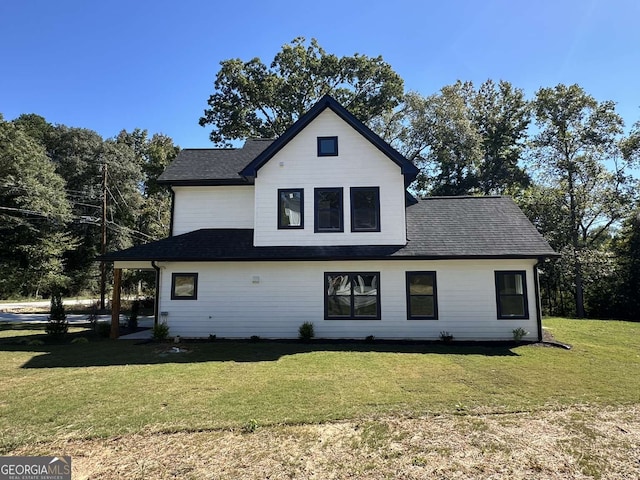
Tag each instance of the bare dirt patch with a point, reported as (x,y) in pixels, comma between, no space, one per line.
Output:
(580,442)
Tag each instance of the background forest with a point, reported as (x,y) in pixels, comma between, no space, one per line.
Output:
(565,157)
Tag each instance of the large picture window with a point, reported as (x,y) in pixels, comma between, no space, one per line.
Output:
(184,286)
(352,296)
(422,301)
(328,210)
(291,208)
(511,294)
(365,209)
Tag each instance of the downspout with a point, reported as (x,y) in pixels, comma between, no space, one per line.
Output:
(156,306)
(536,281)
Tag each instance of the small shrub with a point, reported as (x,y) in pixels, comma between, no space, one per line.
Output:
(57,326)
(80,340)
(251,426)
(160,331)
(519,333)
(132,322)
(103,329)
(254,338)
(93,317)
(212,338)
(446,337)
(370,339)
(305,332)
(35,343)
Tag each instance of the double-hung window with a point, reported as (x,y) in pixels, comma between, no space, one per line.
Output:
(328,210)
(290,208)
(511,294)
(422,301)
(365,209)
(352,296)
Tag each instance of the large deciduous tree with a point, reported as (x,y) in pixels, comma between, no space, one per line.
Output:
(502,116)
(465,140)
(577,153)
(34,212)
(252,99)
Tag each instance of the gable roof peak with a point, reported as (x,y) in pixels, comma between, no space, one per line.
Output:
(408,169)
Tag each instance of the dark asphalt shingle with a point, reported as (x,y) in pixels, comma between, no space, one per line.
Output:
(438,227)
(212,164)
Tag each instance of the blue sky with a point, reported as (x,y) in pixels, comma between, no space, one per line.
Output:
(108,65)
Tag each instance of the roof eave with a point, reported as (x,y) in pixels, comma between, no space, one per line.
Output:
(200,182)
(533,256)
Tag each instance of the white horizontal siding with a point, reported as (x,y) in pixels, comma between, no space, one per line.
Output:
(230,305)
(212,207)
(359,164)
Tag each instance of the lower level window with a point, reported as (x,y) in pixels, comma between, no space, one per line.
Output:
(421,296)
(352,296)
(184,286)
(511,294)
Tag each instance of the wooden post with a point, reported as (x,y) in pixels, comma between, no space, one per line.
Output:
(115,304)
(103,237)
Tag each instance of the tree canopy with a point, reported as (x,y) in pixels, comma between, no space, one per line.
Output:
(252,99)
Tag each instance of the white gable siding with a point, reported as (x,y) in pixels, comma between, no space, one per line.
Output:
(231,304)
(359,164)
(212,207)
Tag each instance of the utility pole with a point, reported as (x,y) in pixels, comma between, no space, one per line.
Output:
(103,238)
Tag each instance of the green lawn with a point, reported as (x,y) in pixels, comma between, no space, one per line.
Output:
(107,388)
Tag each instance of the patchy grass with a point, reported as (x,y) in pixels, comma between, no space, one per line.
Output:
(103,389)
(550,444)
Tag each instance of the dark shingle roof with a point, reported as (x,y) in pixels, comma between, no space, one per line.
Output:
(212,166)
(437,228)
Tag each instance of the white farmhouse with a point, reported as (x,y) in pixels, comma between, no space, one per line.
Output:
(317,226)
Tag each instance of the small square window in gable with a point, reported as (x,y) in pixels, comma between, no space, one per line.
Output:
(327,146)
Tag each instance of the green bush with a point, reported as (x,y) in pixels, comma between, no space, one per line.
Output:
(446,337)
(103,329)
(57,326)
(80,340)
(132,322)
(305,332)
(160,331)
(519,333)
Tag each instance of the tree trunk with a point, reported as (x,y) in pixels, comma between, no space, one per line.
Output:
(579,289)
(575,243)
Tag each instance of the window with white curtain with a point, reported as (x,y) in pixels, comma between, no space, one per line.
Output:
(291,208)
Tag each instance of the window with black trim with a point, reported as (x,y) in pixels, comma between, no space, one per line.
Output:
(290,208)
(184,286)
(328,210)
(422,299)
(327,146)
(365,209)
(511,294)
(352,296)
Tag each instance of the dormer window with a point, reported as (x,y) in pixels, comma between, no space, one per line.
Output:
(327,146)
